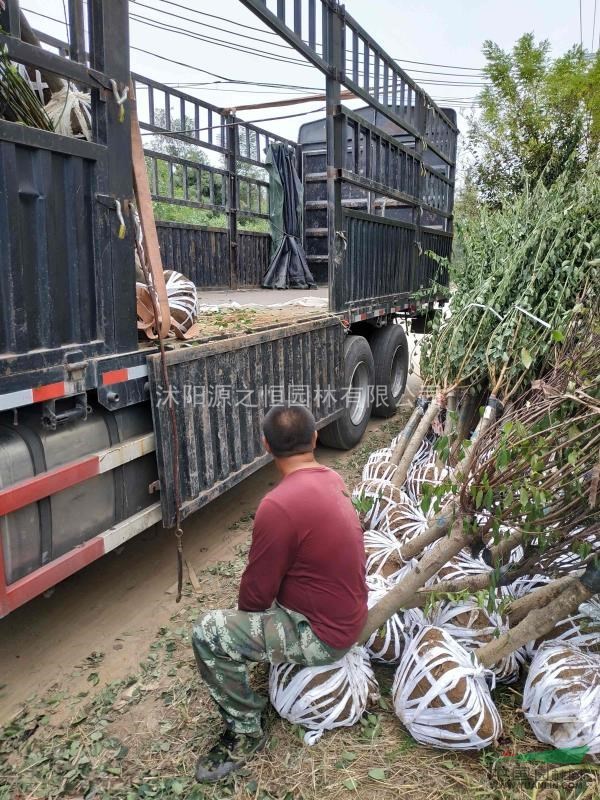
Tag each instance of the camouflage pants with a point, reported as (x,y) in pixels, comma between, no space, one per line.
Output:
(226,642)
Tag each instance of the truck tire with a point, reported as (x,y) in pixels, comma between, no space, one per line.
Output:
(359,369)
(390,353)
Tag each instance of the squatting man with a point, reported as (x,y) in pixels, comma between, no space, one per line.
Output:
(302,597)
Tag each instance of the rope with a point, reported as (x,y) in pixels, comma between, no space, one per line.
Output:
(120,97)
(170,401)
(338,701)
(122,228)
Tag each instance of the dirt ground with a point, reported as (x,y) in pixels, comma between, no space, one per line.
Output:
(100,699)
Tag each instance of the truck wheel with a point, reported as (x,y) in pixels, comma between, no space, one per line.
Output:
(346,431)
(390,353)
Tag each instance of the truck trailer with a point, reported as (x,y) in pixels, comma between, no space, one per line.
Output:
(103,435)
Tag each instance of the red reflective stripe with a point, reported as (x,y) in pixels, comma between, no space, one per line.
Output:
(33,489)
(48,392)
(19,592)
(114,376)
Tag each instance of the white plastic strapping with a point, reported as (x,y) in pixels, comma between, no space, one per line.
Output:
(459,566)
(561,698)
(473,626)
(182,298)
(383,454)
(433,667)
(324,698)
(65,104)
(405,520)
(379,471)
(383,552)
(387,644)
(381,494)
(579,630)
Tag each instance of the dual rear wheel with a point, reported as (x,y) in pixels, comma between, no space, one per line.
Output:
(375,378)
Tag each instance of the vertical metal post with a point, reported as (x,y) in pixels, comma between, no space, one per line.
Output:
(76,31)
(232,199)
(420,124)
(10,18)
(335,152)
(109,53)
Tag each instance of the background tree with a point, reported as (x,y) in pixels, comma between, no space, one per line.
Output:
(534,114)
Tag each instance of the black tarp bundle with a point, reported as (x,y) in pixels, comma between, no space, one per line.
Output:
(288,268)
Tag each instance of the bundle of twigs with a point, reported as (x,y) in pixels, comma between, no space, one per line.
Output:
(18,102)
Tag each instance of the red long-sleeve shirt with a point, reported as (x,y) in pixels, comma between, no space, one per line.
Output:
(308,554)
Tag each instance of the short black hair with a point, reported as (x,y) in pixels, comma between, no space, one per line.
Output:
(289,430)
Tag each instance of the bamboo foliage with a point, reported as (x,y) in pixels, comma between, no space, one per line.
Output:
(18,101)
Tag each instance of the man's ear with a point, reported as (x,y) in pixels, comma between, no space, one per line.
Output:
(315,436)
(266,445)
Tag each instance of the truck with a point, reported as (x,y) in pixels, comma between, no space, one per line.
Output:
(103,435)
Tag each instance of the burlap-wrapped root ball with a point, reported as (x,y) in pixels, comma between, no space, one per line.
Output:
(379,471)
(441,695)
(462,565)
(405,520)
(323,698)
(387,644)
(384,454)
(383,553)
(473,626)
(561,699)
(420,474)
(374,498)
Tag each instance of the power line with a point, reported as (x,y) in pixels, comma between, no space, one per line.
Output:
(256,39)
(224,79)
(594,24)
(207,25)
(267,54)
(273,33)
(219,42)
(319,110)
(214,75)
(580,26)
(221,78)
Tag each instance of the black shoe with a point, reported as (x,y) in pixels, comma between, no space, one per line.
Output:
(230,754)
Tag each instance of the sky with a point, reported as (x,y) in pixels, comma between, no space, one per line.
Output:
(448,32)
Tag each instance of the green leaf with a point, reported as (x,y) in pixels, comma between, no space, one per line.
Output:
(348,755)
(351,783)
(377,774)
(526,357)
(558,336)
(93,678)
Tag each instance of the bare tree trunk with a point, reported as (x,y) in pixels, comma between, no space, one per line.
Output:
(537,623)
(470,583)
(404,592)
(520,608)
(415,442)
(441,524)
(408,431)
(450,424)
(505,547)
